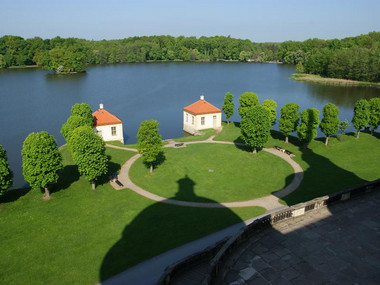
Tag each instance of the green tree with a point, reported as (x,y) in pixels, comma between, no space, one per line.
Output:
(300,68)
(330,121)
(41,160)
(72,123)
(374,116)
(149,142)
(307,130)
(271,105)
(2,61)
(228,106)
(88,150)
(289,119)
(83,110)
(247,100)
(343,125)
(361,115)
(255,127)
(6,173)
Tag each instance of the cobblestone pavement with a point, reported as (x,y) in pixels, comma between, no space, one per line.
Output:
(334,245)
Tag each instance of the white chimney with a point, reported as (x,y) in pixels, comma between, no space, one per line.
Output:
(202,97)
(101,106)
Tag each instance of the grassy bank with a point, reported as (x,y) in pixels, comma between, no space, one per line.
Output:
(83,236)
(23,66)
(311,78)
(205,135)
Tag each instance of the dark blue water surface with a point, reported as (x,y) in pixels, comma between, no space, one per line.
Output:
(32,100)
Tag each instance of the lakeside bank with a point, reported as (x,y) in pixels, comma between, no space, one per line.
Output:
(312,78)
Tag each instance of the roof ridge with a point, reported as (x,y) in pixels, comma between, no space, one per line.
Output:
(201,107)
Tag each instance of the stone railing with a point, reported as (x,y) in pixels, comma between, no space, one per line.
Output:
(184,263)
(222,249)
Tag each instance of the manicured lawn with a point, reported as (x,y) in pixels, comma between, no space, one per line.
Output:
(117,143)
(230,133)
(223,173)
(83,236)
(206,134)
(344,163)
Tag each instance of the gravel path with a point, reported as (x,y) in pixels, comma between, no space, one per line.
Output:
(269,202)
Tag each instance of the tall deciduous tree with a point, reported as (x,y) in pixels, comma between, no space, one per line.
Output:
(88,150)
(41,160)
(81,115)
(83,110)
(330,121)
(247,101)
(374,114)
(255,127)
(149,142)
(289,119)
(307,130)
(71,124)
(361,115)
(6,173)
(343,125)
(228,106)
(271,105)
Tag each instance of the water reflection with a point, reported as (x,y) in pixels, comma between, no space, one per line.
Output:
(69,77)
(342,96)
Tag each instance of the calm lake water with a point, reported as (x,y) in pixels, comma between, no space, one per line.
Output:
(32,100)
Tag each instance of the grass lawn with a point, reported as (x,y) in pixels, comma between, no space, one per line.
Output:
(83,236)
(118,143)
(344,163)
(206,134)
(223,173)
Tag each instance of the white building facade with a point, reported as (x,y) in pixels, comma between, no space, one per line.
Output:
(201,115)
(108,126)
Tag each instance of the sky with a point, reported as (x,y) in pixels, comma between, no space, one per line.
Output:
(258,21)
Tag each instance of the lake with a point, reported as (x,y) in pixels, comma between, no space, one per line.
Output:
(32,100)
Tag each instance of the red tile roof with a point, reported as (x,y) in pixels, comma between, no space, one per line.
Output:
(103,118)
(201,107)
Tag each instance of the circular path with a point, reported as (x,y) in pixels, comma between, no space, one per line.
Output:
(269,202)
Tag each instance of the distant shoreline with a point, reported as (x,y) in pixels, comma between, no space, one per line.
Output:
(312,78)
(150,61)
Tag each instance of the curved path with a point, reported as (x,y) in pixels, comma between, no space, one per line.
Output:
(268,202)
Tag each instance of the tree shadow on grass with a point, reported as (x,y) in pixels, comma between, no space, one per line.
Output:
(160,159)
(322,177)
(280,136)
(113,169)
(68,176)
(161,227)
(14,195)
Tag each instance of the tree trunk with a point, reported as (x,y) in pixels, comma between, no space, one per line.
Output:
(47,192)
(327,140)
(228,122)
(372,131)
(254,151)
(357,136)
(93,185)
(151,168)
(286,139)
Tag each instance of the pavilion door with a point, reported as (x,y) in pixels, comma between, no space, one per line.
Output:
(214,121)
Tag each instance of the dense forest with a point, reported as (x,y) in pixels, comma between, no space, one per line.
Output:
(356,58)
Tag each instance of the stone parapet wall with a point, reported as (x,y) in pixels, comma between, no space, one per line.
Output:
(218,253)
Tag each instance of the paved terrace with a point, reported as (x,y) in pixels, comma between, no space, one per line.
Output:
(333,245)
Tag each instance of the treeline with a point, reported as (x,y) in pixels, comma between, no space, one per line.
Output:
(355,58)
(72,55)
